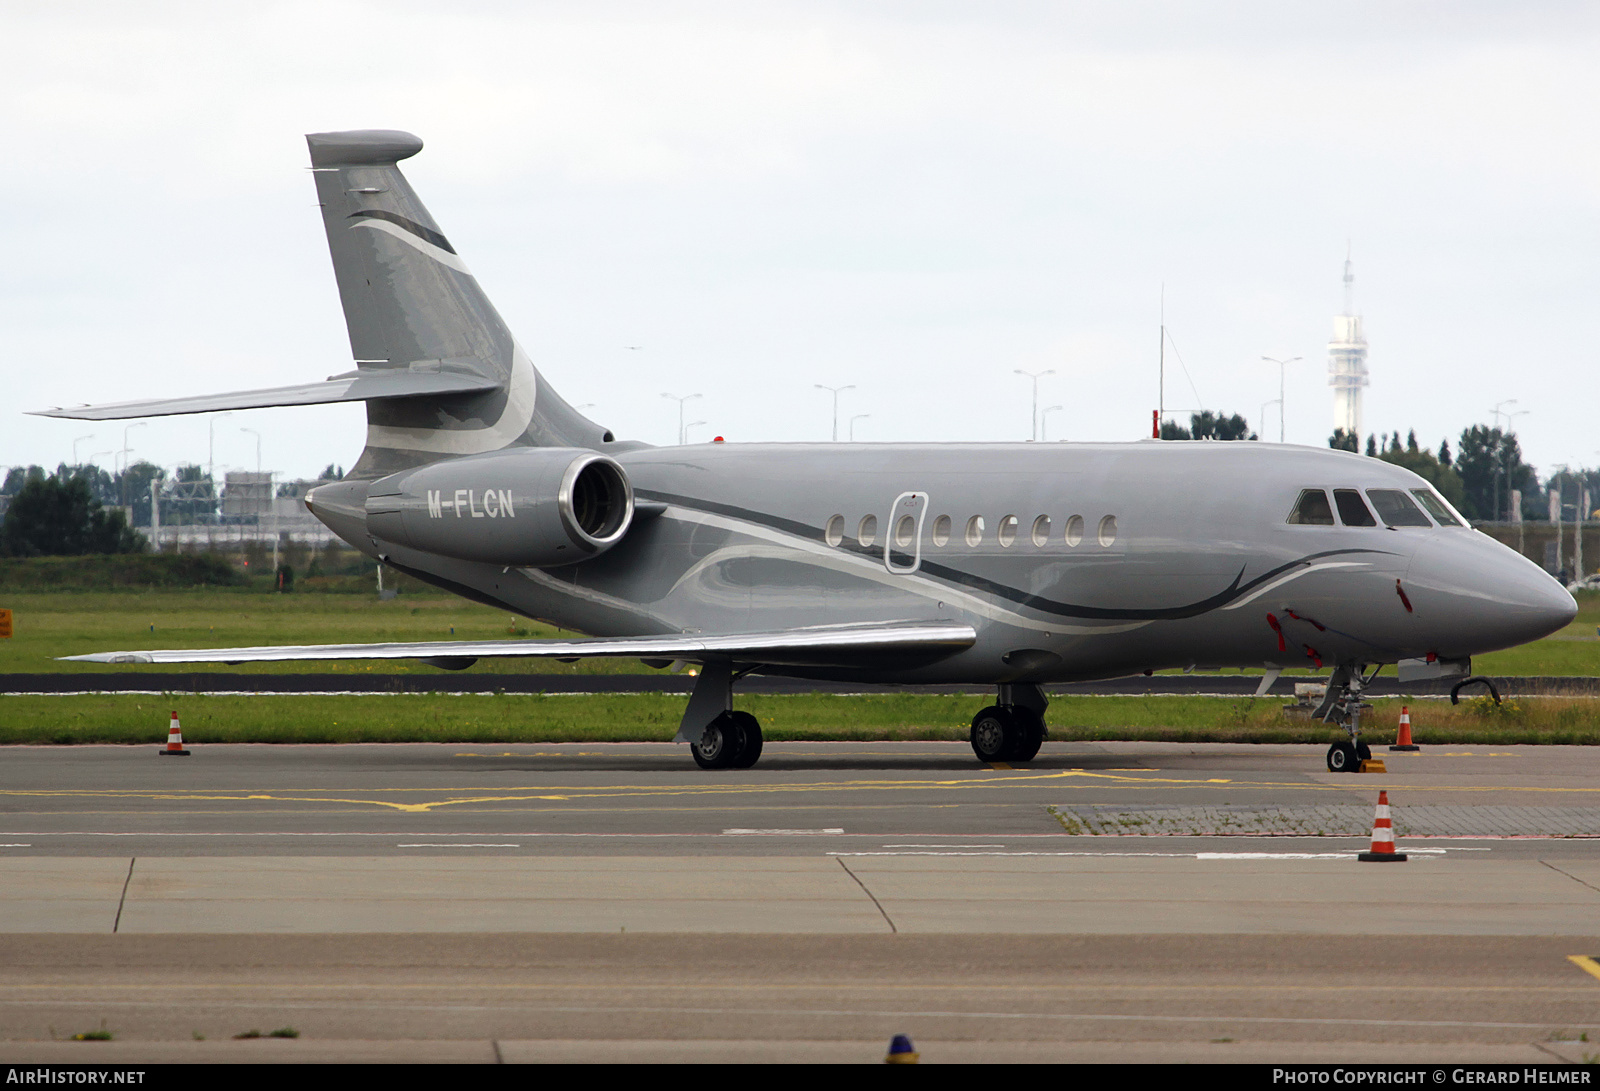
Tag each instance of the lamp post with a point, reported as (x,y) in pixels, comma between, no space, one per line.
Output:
(835,391)
(75,443)
(682,438)
(1274,401)
(858,416)
(1499,449)
(253,432)
(122,489)
(1044,422)
(1035,376)
(211,449)
(691,424)
(1282,367)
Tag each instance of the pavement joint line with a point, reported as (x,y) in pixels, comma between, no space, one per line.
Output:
(882,911)
(1569,875)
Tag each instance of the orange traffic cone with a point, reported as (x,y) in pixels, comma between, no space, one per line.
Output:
(1382,835)
(174,745)
(1403,741)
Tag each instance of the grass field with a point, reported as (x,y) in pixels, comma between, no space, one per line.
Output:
(481,718)
(66,623)
(54,624)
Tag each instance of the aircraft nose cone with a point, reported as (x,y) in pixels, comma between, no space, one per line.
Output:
(1475,595)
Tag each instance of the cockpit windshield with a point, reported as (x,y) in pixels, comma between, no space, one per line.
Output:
(1437,507)
(1397,509)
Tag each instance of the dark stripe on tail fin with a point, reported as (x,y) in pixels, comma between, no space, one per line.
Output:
(427,234)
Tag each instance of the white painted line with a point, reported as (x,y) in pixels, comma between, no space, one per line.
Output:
(741,832)
(455,845)
(944,846)
(1349,854)
(15,845)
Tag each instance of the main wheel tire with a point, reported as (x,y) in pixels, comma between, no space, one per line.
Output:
(1030,734)
(995,734)
(1342,758)
(752,740)
(721,743)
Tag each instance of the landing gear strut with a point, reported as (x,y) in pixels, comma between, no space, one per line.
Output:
(1342,707)
(1014,729)
(719,737)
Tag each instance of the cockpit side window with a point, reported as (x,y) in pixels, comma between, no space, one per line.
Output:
(1436,507)
(1352,511)
(1397,509)
(1312,509)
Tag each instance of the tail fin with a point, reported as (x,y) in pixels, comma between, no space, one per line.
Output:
(411,305)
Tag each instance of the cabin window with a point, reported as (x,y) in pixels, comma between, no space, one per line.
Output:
(1075,530)
(975,530)
(1352,511)
(834,533)
(1108,530)
(1436,507)
(941,530)
(1312,509)
(1041,530)
(867,533)
(1397,509)
(905,528)
(1008,531)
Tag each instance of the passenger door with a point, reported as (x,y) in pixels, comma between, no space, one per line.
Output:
(902,537)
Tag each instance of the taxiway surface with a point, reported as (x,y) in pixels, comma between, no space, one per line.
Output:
(1116,900)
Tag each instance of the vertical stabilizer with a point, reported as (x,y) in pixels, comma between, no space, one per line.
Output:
(411,303)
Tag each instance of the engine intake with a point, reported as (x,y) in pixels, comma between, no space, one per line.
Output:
(539,507)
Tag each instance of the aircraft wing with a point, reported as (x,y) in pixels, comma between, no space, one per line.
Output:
(356,386)
(830,644)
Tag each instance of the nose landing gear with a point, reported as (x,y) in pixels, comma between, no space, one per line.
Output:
(1343,706)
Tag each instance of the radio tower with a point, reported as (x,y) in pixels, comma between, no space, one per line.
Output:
(1347,360)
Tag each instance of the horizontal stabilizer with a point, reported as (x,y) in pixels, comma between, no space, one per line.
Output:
(358,386)
(833,644)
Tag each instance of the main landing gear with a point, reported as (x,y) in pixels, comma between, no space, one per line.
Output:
(1343,706)
(719,736)
(1014,729)
(731,741)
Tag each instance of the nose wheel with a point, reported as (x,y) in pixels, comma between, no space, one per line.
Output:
(1344,757)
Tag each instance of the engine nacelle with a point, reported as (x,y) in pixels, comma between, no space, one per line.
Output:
(529,506)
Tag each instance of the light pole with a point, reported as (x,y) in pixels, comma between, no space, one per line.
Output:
(75,443)
(1044,422)
(835,390)
(691,424)
(1500,448)
(1274,401)
(858,416)
(1282,367)
(1035,376)
(682,438)
(122,489)
(253,432)
(211,449)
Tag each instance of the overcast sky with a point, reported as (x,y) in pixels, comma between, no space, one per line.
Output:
(916,199)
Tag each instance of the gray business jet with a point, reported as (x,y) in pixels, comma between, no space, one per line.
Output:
(1005,565)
